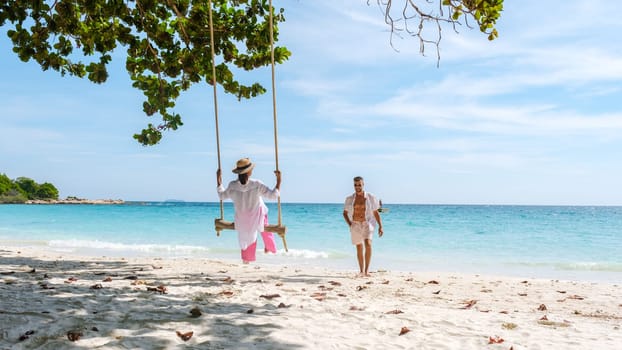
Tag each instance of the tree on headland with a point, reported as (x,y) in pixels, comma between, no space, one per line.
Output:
(10,192)
(23,188)
(47,191)
(168,42)
(5,184)
(28,185)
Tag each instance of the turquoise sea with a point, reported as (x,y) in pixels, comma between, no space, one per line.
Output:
(560,242)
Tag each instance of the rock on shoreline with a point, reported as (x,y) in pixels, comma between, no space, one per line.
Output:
(75,201)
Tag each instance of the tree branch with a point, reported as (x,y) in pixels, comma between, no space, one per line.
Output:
(484,12)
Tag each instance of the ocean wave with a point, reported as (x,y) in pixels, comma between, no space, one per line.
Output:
(74,244)
(92,247)
(579,266)
(22,242)
(303,253)
(591,266)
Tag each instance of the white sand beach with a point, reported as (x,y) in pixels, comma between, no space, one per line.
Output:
(60,301)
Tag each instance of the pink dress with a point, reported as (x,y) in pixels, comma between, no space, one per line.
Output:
(251,213)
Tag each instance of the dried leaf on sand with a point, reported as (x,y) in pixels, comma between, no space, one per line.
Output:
(160,289)
(26,335)
(509,325)
(495,340)
(469,303)
(319,296)
(226,293)
(553,323)
(270,296)
(195,312)
(185,336)
(74,335)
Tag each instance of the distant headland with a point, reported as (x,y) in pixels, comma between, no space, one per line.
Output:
(74,200)
(24,190)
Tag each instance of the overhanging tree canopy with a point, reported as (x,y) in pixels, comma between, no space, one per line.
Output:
(168,42)
(167,45)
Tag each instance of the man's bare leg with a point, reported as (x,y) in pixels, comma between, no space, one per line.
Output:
(359,256)
(367,256)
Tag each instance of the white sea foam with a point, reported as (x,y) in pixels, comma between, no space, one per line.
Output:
(590,266)
(304,253)
(576,266)
(97,247)
(142,249)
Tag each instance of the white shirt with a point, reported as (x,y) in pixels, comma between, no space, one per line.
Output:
(249,207)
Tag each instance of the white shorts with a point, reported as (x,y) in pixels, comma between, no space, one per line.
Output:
(360,231)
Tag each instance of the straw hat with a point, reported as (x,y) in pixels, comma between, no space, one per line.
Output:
(243,166)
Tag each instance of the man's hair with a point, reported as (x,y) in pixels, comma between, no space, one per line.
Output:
(243,178)
(358,178)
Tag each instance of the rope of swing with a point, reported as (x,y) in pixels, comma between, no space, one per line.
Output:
(211,36)
(276,144)
(276,141)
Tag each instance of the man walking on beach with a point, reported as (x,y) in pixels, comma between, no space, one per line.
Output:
(361,213)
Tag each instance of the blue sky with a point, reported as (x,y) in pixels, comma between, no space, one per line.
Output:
(531,118)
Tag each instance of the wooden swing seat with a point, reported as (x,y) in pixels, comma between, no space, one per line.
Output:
(280,230)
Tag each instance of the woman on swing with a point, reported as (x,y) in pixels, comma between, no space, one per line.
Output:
(251,213)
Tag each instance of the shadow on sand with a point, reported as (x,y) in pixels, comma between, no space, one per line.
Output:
(39,304)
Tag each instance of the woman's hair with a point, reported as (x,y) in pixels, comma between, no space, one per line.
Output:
(243,178)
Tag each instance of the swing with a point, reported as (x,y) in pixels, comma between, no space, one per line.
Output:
(220,224)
